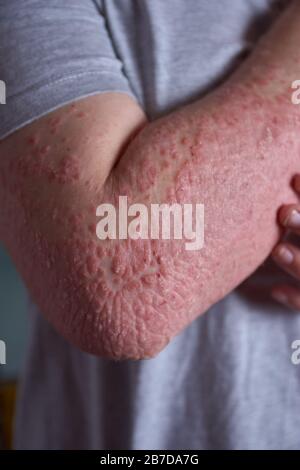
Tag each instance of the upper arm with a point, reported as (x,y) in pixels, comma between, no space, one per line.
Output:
(52,53)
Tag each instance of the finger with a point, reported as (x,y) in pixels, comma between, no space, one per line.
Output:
(287,256)
(289,217)
(287,295)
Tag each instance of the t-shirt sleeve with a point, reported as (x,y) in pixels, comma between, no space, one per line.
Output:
(53,52)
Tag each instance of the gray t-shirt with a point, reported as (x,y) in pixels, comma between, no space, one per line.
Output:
(227,381)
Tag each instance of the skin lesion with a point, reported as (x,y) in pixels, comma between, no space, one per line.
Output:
(127,299)
(234,151)
(95,291)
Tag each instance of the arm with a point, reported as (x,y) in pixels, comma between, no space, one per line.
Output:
(235,151)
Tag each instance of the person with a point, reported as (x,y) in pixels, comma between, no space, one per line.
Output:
(160,101)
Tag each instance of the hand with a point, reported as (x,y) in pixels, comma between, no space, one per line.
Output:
(287,255)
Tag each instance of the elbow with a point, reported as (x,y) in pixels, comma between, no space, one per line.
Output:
(129,345)
(117,335)
(120,313)
(106,308)
(114,329)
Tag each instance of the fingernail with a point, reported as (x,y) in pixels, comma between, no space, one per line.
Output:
(280,297)
(293,220)
(284,255)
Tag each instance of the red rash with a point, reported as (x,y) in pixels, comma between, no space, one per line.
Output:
(154,287)
(235,151)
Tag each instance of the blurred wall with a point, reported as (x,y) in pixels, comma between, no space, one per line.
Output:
(13,317)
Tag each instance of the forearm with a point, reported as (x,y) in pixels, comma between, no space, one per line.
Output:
(236,152)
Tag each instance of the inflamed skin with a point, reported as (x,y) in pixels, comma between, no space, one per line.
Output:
(235,151)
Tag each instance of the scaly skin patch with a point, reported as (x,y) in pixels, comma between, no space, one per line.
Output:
(235,151)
